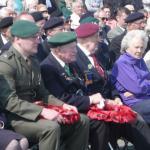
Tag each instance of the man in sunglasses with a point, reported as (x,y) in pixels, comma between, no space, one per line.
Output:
(102,16)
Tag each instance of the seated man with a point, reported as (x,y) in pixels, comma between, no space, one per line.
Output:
(22,85)
(65,84)
(90,62)
(92,67)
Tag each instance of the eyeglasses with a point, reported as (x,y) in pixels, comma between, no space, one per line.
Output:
(44,11)
(104,18)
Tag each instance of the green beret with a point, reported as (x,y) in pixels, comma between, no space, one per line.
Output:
(89,20)
(62,38)
(24,29)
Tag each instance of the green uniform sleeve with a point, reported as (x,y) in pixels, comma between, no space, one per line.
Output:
(48,98)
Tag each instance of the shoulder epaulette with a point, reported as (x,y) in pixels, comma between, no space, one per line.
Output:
(7,55)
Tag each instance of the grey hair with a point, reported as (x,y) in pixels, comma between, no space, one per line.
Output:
(134,34)
(76,3)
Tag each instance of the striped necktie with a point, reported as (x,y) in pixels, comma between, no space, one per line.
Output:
(67,70)
(98,66)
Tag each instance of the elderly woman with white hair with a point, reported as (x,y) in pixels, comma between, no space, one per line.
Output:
(130,74)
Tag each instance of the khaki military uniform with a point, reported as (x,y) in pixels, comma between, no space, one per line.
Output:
(20,86)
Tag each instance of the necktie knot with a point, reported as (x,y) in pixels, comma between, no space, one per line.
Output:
(67,70)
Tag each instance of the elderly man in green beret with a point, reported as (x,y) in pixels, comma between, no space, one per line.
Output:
(61,79)
(21,85)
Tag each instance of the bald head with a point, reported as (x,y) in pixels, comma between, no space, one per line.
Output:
(25,16)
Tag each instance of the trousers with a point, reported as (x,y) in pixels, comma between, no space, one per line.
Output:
(52,136)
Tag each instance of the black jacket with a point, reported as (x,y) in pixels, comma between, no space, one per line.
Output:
(99,84)
(60,85)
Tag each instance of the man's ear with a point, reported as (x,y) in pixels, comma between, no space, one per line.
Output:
(16,38)
(49,32)
(117,18)
(56,50)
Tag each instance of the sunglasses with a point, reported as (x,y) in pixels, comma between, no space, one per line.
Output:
(104,18)
(44,11)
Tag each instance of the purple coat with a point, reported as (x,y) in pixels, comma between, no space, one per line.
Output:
(131,74)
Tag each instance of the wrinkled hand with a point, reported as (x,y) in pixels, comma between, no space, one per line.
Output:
(111,102)
(52,115)
(96,98)
(49,114)
(118,101)
(70,107)
(128,94)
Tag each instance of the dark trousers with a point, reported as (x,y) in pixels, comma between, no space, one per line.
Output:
(137,133)
(99,135)
(143,108)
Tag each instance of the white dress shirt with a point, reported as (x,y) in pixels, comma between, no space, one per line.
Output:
(59,60)
(87,53)
(4,39)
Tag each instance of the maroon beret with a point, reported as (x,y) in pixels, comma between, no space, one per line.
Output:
(86,29)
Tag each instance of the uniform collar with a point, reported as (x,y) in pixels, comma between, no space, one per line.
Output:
(20,58)
(131,59)
(84,50)
(59,60)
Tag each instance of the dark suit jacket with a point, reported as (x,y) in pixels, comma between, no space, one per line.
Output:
(1,42)
(5,47)
(114,32)
(50,9)
(115,46)
(99,84)
(43,50)
(103,54)
(114,4)
(63,87)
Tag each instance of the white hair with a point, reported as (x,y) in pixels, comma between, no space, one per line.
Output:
(76,4)
(146,5)
(4,12)
(134,34)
